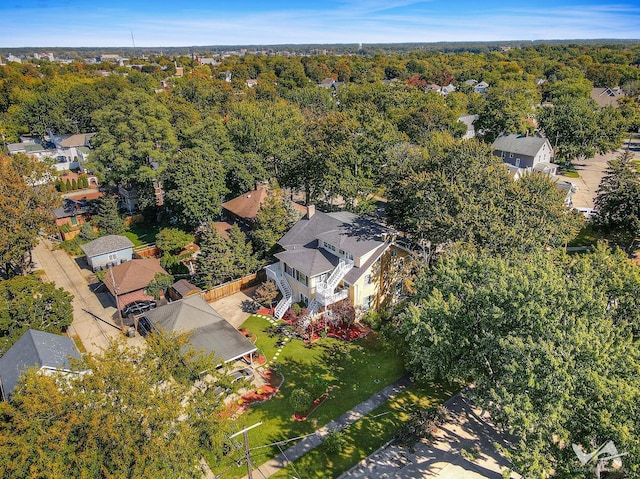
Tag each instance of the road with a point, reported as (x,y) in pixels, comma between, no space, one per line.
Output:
(65,273)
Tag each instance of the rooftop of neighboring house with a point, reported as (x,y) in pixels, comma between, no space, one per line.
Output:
(606,96)
(344,231)
(72,207)
(246,206)
(35,348)
(132,275)
(106,244)
(72,141)
(519,144)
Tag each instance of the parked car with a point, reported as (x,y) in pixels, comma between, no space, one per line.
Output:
(241,374)
(138,307)
(144,326)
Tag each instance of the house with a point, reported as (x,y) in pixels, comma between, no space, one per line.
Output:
(527,152)
(243,209)
(108,251)
(74,213)
(50,353)
(481,87)
(606,96)
(126,282)
(329,257)
(210,332)
(563,185)
(67,151)
(182,289)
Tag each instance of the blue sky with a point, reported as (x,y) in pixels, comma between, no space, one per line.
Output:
(160,23)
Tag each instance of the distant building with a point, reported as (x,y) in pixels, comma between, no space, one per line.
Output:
(606,96)
(526,152)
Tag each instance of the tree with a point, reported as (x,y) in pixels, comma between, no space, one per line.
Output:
(136,413)
(266,293)
(300,400)
(27,200)
(578,128)
(107,218)
(463,193)
(159,285)
(134,141)
(617,203)
(548,340)
(274,218)
(26,302)
(214,264)
(241,251)
(173,240)
(194,185)
(508,107)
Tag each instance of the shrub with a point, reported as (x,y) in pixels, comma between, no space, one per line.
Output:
(300,400)
(334,442)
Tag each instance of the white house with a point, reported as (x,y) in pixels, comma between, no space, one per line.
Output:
(531,153)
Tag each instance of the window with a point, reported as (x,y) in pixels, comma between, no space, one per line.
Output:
(510,155)
(74,221)
(112,256)
(349,256)
(367,279)
(288,269)
(502,154)
(367,302)
(518,162)
(304,299)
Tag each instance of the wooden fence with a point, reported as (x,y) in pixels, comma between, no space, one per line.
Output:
(146,251)
(232,287)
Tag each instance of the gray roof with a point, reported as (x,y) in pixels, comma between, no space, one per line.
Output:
(354,234)
(519,144)
(106,244)
(310,261)
(210,332)
(39,349)
(183,287)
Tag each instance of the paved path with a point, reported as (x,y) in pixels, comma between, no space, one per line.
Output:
(314,440)
(65,273)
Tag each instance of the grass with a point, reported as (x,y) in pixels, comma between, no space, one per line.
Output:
(367,435)
(142,233)
(571,174)
(354,372)
(587,236)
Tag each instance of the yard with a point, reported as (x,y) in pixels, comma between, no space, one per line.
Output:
(352,371)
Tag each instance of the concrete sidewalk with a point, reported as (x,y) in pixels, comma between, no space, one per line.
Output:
(314,440)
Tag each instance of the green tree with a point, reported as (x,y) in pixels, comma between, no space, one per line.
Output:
(74,184)
(578,128)
(107,218)
(214,264)
(508,108)
(194,185)
(462,193)
(26,209)
(28,303)
(617,203)
(173,240)
(274,218)
(159,285)
(549,341)
(245,261)
(119,420)
(134,140)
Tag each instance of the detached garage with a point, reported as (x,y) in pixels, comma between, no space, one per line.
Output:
(210,332)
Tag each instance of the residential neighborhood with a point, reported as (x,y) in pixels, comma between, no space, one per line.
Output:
(368,264)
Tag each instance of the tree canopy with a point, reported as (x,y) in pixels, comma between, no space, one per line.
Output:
(549,341)
(132,414)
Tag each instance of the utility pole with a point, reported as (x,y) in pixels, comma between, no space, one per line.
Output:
(247,453)
(115,288)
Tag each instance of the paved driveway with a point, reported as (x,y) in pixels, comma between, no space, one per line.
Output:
(232,308)
(65,273)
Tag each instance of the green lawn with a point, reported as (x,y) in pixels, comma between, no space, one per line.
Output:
(367,435)
(587,236)
(354,372)
(142,233)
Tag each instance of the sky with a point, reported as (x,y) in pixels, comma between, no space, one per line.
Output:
(158,23)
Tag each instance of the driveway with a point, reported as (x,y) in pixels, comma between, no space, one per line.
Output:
(591,172)
(60,269)
(232,308)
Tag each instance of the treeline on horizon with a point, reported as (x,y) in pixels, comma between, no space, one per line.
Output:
(332,48)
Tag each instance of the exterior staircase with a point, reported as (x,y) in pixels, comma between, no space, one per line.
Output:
(325,291)
(274,273)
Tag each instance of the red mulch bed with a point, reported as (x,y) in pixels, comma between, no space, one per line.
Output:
(265,311)
(266,391)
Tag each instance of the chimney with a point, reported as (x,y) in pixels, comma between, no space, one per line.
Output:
(311,210)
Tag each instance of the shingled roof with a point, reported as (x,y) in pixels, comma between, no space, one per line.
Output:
(519,144)
(132,275)
(106,244)
(246,206)
(35,349)
(210,332)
